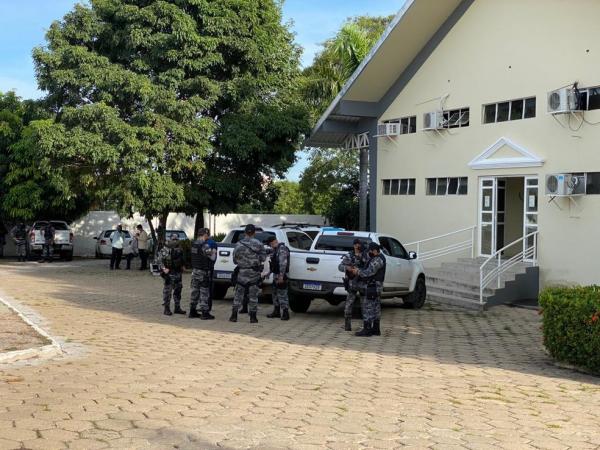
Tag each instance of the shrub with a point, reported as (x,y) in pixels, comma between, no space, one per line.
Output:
(571,325)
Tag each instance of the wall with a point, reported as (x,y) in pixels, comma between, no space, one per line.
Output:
(500,51)
(90,226)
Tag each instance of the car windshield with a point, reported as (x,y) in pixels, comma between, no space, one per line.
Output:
(59,226)
(338,243)
(180,234)
(261,236)
(108,233)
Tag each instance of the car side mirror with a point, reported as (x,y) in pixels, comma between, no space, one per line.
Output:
(412,255)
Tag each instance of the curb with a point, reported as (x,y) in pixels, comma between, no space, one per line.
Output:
(31,319)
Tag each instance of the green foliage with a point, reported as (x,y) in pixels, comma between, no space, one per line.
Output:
(163,105)
(290,199)
(571,325)
(219,237)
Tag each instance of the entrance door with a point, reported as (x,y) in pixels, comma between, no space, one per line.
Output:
(530,224)
(488,190)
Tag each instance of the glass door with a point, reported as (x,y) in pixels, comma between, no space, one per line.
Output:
(487,216)
(530,222)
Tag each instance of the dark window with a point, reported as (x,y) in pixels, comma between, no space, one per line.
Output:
(593,98)
(412,127)
(337,243)
(397,249)
(456,118)
(462,185)
(442,185)
(261,236)
(516,110)
(431,184)
(386,187)
(503,112)
(453,186)
(403,186)
(593,183)
(385,246)
(489,113)
(411,187)
(394,190)
(180,234)
(305,242)
(529,108)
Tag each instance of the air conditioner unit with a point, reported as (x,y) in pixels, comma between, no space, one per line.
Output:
(388,129)
(565,184)
(564,101)
(433,120)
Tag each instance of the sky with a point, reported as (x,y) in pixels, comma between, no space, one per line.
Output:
(23,24)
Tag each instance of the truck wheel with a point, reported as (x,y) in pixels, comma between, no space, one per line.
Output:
(219,291)
(67,256)
(416,299)
(299,304)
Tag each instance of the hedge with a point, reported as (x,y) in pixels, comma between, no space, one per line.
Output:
(571,325)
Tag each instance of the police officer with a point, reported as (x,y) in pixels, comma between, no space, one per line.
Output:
(249,256)
(280,267)
(19,235)
(48,233)
(357,257)
(373,276)
(203,257)
(170,260)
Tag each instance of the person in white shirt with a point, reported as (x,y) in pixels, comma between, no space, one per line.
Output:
(117,240)
(142,244)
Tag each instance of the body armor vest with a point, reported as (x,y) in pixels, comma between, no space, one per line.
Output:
(199,259)
(275,262)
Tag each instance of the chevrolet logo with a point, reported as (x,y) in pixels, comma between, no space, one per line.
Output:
(311,269)
(224,260)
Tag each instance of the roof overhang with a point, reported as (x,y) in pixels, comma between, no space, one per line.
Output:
(409,39)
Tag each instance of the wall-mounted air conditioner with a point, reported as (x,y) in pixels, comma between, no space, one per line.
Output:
(565,184)
(433,120)
(563,101)
(388,129)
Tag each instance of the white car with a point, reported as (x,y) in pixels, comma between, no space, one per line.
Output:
(104,246)
(295,239)
(63,239)
(315,274)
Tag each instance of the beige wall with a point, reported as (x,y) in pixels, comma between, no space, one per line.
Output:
(502,50)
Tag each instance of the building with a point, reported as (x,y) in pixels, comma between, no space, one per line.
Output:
(455,106)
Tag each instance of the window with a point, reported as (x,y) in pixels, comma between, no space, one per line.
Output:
(593,183)
(456,118)
(447,186)
(338,243)
(407,125)
(298,240)
(262,236)
(523,108)
(402,186)
(590,98)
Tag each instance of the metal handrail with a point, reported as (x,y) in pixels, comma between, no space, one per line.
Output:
(500,268)
(449,249)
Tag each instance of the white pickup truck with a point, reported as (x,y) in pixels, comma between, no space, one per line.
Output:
(63,239)
(315,273)
(295,239)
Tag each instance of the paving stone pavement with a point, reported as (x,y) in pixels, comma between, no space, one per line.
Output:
(439,378)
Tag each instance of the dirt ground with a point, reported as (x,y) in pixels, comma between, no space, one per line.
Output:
(16,334)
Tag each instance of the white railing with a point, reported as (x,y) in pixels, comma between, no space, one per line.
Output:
(529,254)
(462,246)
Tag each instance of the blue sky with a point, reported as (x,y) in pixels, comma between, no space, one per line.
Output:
(23,24)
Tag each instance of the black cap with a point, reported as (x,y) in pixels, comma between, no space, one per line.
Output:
(374,246)
(357,241)
(270,239)
(203,232)
(250,229)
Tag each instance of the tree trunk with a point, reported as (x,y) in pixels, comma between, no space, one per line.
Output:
(363,188)
(154,237)
(162,229)
(199,223)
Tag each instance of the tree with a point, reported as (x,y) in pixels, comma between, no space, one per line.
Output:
(148,94)
(290,199)
(322,81)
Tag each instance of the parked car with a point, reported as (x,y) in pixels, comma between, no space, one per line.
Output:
(315,274)
(224,266)
(180,233)
(311,230)
(63,239)
(104,245)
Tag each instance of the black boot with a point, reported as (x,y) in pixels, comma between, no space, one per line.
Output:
(167,311)
(234,314)
(376,330)
(366,331)
(286,314)
(193,313)
(253,318)
(178,310)
(275,314)
(207,316)
(348,324)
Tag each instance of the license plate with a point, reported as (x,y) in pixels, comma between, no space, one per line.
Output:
(312,286)
(225,276)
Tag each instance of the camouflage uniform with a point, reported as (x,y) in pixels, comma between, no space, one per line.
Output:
(171,257)
(19,235)
(280,264)
(354,286)
(371,310)
(202,256)
(249,255)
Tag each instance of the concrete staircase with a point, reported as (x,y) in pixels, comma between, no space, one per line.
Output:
(457,283)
